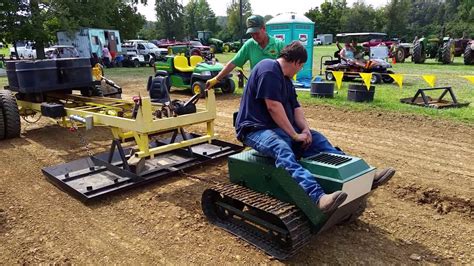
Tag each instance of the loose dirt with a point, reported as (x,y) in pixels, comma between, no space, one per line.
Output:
(424,214)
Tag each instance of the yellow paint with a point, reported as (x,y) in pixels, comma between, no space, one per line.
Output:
(338,76)
(366,77)
(470,78)
(398,79)
(430,79)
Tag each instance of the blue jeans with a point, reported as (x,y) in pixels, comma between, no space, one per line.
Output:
(277,144)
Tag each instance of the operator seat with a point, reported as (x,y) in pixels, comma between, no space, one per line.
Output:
(195,59)
(181,64)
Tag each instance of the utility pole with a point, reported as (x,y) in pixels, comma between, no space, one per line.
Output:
(241,22)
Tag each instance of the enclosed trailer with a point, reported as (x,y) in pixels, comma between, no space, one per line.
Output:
(90,41)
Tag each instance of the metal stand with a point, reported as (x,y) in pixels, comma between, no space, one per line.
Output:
(421,99)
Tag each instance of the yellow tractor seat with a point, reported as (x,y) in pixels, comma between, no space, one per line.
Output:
(195,59)
(181,64)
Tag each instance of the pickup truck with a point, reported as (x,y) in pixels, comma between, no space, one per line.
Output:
(26,50)
(143,52)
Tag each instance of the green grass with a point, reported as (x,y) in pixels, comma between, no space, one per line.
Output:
(387,96)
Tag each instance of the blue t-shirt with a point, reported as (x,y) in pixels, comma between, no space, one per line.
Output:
(265,82)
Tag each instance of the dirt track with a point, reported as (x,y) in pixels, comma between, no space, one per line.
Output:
(425,214)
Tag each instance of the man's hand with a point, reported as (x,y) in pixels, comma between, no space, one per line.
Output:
(303,137)
(307,132)
(211,83)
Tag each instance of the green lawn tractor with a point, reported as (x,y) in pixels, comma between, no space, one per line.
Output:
(192,73)
(265,206)
(441,49)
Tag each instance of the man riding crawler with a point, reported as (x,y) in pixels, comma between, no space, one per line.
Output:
(271,121)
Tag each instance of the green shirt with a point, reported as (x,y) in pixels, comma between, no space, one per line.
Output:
(252,51)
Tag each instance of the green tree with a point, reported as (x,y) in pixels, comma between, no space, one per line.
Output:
(396,15)
(360,18)
(170,19)
(199,16)
(233,17)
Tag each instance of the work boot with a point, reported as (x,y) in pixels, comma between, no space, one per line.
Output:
(382,176)
(330,202)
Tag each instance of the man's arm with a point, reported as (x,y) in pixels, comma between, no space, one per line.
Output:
(277,112)
(300,119)
(224,72)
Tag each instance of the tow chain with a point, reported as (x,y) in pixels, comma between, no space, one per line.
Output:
(82,140)
(198,178)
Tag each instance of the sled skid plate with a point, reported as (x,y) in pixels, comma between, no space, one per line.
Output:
(421,99)
(94,177)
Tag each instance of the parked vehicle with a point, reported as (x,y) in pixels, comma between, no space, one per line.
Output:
(205,37)
(89,42)
(317,41)
(233,46)
(397,50)
(191,48)
(26,50)
(469,53)
(192,73)
(142,51)
(61,51)
(441,49)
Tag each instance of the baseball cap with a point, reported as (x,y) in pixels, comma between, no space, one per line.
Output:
(254,23)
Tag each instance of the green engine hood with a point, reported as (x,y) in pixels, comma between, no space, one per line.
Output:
(208,67)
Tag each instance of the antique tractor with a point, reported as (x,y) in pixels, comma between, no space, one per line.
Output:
(469,53)
(441,49)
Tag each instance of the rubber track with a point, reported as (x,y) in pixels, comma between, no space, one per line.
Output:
(295,221)
(11,117)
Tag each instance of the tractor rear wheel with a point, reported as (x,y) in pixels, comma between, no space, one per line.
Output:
(419,55)
(199,87)
(399,55)
(11,116)
(229,86)
(447,52)
(226,48)
(468,56)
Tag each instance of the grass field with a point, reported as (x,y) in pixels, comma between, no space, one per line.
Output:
(387,96)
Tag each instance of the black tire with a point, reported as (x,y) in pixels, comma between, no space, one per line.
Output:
(386,78)
(213,48)
(330,76)
(2,124)
(419,55)
(152,60)
(136,63)
(229,86)
(148,84)
(376,78)
(468,57)
(447,52)
(399,55)
(199,87)
(11,116)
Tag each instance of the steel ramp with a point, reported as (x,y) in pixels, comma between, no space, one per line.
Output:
(94,177)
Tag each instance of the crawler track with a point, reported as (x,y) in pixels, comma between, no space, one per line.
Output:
(278,228)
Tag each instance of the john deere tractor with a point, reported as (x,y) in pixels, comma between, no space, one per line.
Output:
(205,37)
(192,73)
(441,49)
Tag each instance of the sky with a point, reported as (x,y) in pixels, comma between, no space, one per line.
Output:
(260,7)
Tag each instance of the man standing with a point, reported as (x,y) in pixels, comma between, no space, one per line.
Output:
(271,121)
(260,47)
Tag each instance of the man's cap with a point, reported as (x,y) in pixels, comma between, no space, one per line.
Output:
(254,23)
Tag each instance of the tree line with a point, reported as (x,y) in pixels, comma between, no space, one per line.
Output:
(39,20)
